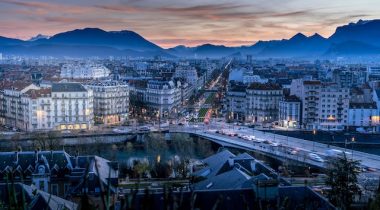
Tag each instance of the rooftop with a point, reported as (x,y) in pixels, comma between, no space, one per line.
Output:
(34,94)
(68,87)
(291,98)
(312,82)
(266,86)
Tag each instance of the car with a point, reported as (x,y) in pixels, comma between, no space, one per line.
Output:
(371,169)
(275,144)
(66,131)
(267,142)
(316,157)
(181,124)
(144,129)
(121,130)
(336,153)
(294,152)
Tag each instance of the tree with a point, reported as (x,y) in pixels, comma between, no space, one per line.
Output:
(343,180)
(14,139)
(141,168)
(375,204)
(53,140)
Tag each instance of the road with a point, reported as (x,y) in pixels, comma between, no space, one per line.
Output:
(284,144)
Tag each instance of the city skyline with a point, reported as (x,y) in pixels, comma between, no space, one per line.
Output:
(169,23)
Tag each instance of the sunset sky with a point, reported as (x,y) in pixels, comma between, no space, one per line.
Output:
(189,22)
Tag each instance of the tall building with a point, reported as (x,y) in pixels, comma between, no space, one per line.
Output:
(38,110)
(73,106)
(373,72)
(12,107)
(84,71)
(111,101)
(162,97)
(290,111)
(363,110)
(324,105)
(262,102)
(236,101)
(348,78)
(188,73)
(59,107)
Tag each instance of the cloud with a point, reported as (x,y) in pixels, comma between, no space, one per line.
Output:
(29,4)
(120,8)
(174,22)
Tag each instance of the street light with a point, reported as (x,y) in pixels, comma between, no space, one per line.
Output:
(352,146)
(314,132)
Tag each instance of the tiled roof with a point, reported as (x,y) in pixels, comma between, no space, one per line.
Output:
(68,87)
(43,92)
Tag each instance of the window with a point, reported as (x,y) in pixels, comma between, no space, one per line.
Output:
(66,187)
(41,185)
(54,189)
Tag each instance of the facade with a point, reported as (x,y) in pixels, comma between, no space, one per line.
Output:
(373,72)
(348,78)
(236,101)
(188,73)
(73,106)
(363,110)
(12,107)
(84,71)
(333,107)
(111,101)
(62,106)
(262,102)
(290,112)
(162,97)
(38,110)
(376,118)
(362,116)
(157,97)
(324,105)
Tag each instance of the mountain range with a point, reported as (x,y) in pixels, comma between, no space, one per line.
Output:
(354,39)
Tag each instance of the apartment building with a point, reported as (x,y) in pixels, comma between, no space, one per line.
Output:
(290,111)
(37,110)
(236,101)
(363,110)
(162,97)
(111,101)
(11,105)
(84,71)
(263,102)
(188,73)
(324,105)
(62,106)
(72,105)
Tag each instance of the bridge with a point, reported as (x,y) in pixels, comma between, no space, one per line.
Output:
(277,146)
